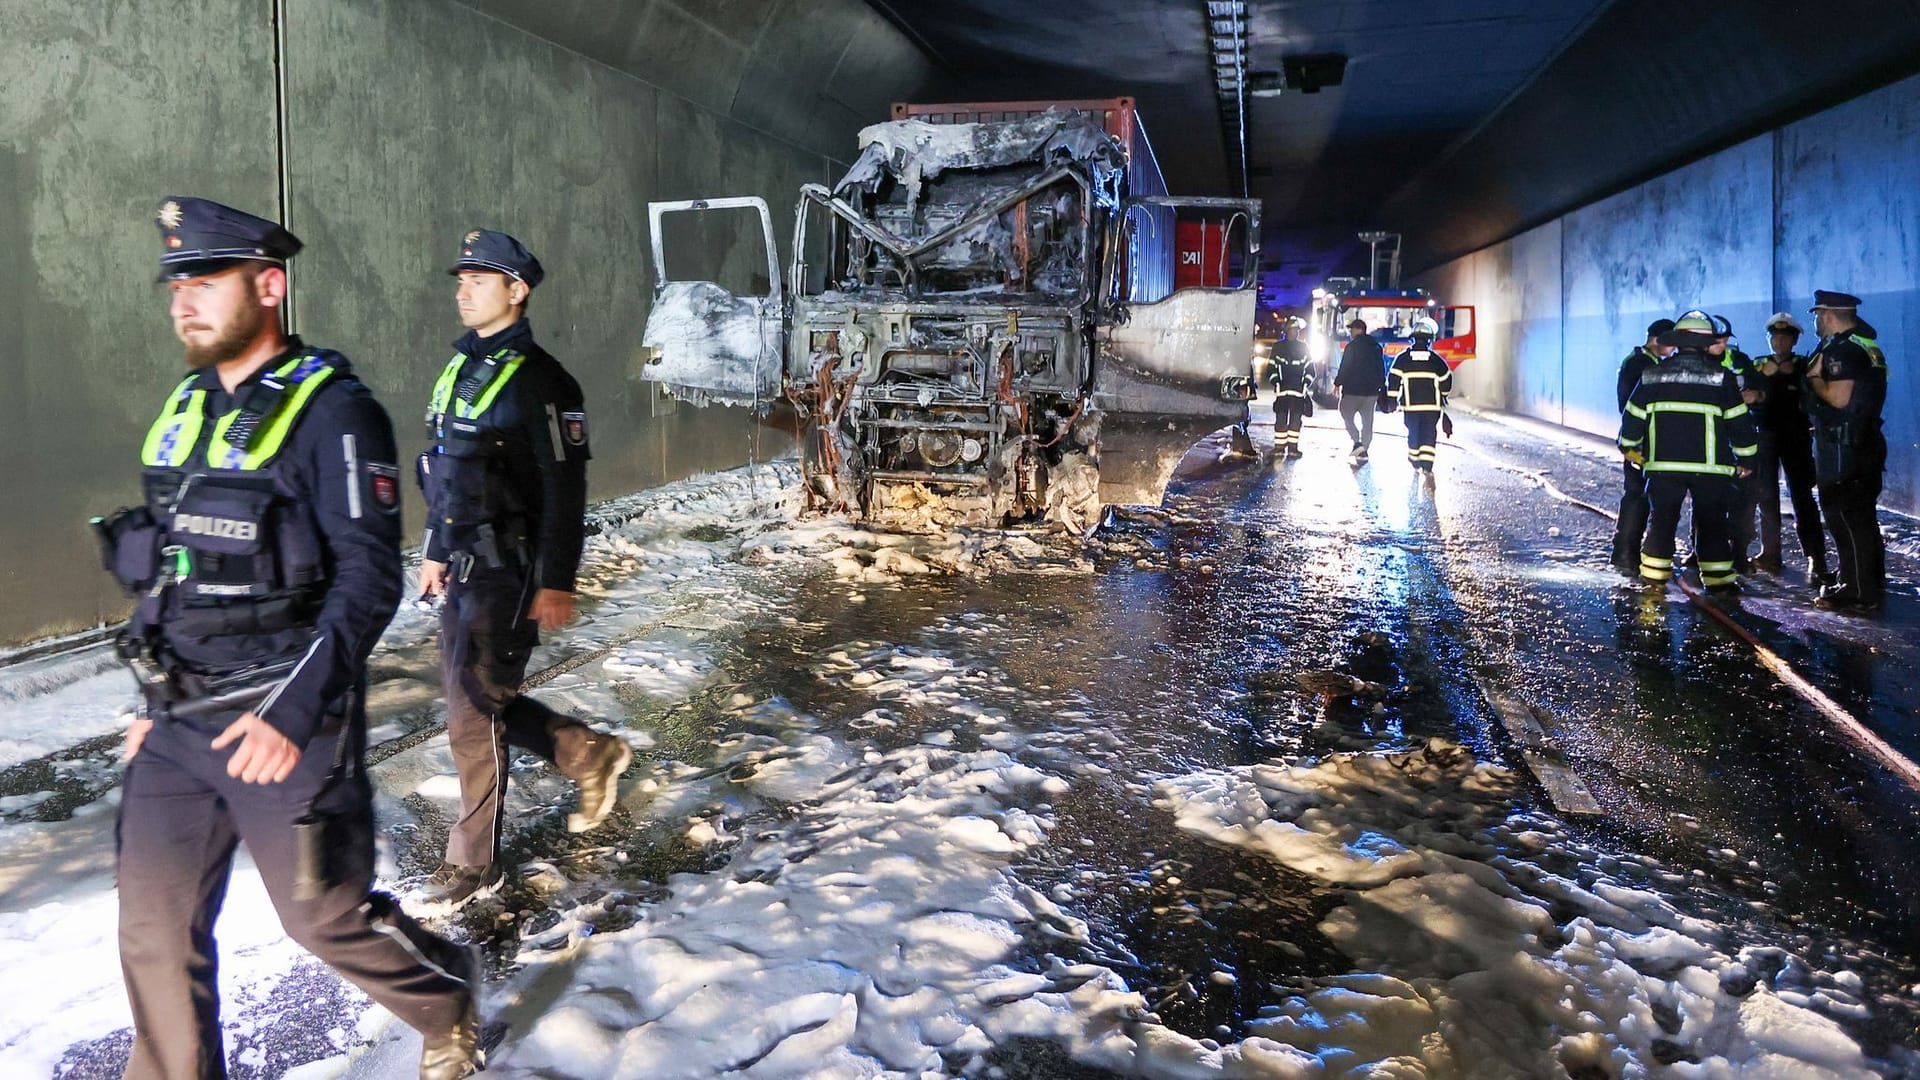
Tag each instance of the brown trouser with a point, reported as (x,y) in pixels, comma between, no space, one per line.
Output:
(485,641)
(181,816)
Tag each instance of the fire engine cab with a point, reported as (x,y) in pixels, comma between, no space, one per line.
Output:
(1389,315)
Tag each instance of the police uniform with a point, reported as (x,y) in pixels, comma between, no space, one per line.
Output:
(266,561)
(1420,381)
(1687,419)
(506,484)
(1850,457)
(1291,404)
(1786,447)
(1631,523)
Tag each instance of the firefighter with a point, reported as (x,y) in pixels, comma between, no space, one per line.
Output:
(1786,446)
(1847,387)
(1632,522)
(1419,382)
(1289,377)
(506,486)
(266,560)
(1688,428)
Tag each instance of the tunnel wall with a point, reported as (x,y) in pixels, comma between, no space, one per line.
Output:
(1826,202)
(407,122)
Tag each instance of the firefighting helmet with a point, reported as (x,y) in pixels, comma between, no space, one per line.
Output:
(1694,330)
(1426,325)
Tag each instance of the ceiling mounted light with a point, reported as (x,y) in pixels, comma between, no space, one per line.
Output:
(1309,72)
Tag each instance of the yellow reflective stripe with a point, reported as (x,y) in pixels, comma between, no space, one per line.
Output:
(1738,410)
(1636,411)
(443,387)
(1704,468)
(1700,408)
(1745,451)
(1655,561)
(173,435)
(272,434)
(500,379)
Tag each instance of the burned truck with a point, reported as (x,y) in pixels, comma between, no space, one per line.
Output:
(996,316)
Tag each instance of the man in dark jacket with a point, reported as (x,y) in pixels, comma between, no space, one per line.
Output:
(506,483)
(1688,428)
(1361,379)
(1847,387)
(1632,522)
(266,559)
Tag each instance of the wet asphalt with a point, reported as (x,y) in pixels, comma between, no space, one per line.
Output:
(1179,654)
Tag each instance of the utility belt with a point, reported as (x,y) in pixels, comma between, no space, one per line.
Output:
(496,548)
(178,692)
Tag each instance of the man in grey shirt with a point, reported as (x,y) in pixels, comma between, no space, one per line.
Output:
(1360,380)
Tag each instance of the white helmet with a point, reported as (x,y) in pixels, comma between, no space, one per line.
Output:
(1425,325)
(1780,320)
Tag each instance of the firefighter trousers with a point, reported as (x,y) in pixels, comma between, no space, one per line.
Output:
(1288,411)
(486,640)
(1667,494)
(1423,438)
(181,818)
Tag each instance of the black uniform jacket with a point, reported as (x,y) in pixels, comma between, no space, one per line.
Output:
(1289,374)
(1420,379)
(542,419)
(1634,366)
(338,466)
(1363,367)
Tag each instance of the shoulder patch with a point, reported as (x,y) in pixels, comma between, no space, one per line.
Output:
(574,425)
(383,484)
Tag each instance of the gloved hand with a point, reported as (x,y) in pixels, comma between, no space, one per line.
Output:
(1639,459)
(1446,425)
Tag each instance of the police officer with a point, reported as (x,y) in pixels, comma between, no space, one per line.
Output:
(1688,428)
(1419,381)
(1786,446)
(1631,524)
(1289,378)
(266,559)
(506,486)
(1847,387)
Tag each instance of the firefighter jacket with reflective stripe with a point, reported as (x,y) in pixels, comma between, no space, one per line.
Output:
(1420,380)
(1687,416)
(1289,374)
(277,515)
(506,473)
(1634,366)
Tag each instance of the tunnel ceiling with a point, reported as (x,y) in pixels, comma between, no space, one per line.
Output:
(1458,123)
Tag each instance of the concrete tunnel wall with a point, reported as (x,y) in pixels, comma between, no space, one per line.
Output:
(1827,202)
(407,122)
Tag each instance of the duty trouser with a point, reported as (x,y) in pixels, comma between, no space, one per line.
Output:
(1667,493)
(1423,437)
(485,642)
(1633,516)
(1851,512)
(181,816)
(1288,411)
(1356,411)
(1793,457)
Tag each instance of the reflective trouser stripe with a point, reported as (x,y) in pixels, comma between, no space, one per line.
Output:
(1655,568)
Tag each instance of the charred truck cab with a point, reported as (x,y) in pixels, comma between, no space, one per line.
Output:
(997,315)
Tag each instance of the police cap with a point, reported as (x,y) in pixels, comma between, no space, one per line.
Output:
(1658,327)
(200,236)
(1824,299)
(1781,321)
(485,249)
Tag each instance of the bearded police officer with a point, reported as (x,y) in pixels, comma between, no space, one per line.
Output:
(1847,387)
(1687,426)
(506,486)
(266,560)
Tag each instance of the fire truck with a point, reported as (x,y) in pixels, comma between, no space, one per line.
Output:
(1389,315)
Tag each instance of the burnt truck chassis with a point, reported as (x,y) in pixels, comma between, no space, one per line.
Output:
(919,410)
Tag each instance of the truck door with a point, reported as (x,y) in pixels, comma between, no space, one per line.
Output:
(1178,366)
(1458,339)
(706,343)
